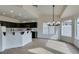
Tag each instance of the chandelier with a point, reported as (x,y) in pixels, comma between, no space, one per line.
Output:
(54,23)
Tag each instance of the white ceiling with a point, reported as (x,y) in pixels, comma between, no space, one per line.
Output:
(71,10)
(48,9)
(26,12)
(29,12)
(15,12)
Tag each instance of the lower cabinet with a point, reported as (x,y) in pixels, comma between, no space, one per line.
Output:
(34,34)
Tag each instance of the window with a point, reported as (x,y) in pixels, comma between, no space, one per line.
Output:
(48,29)
(66,28)
(77,31)
(45,28)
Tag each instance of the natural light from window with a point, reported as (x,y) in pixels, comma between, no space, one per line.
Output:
(77,32)
(66,28)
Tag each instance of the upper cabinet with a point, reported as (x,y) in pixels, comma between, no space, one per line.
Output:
(19,25)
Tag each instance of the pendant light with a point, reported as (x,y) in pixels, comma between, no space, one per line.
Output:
(54,23)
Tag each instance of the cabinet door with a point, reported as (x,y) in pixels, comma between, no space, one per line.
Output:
(34,34)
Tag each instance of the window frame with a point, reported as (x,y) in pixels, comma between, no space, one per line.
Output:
(63,21)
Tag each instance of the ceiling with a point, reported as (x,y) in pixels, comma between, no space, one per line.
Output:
(30,12)
(16,12)
(71,10)
(48,9)
(25,12)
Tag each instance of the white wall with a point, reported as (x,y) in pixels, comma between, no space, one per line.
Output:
(4,18)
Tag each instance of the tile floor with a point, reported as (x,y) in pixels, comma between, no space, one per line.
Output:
(43,46)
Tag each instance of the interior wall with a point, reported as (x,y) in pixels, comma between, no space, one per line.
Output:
(42,19)
(4,18)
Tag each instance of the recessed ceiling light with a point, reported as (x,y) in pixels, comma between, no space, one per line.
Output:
(11,11)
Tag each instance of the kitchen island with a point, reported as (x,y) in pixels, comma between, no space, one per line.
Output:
(14,39)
